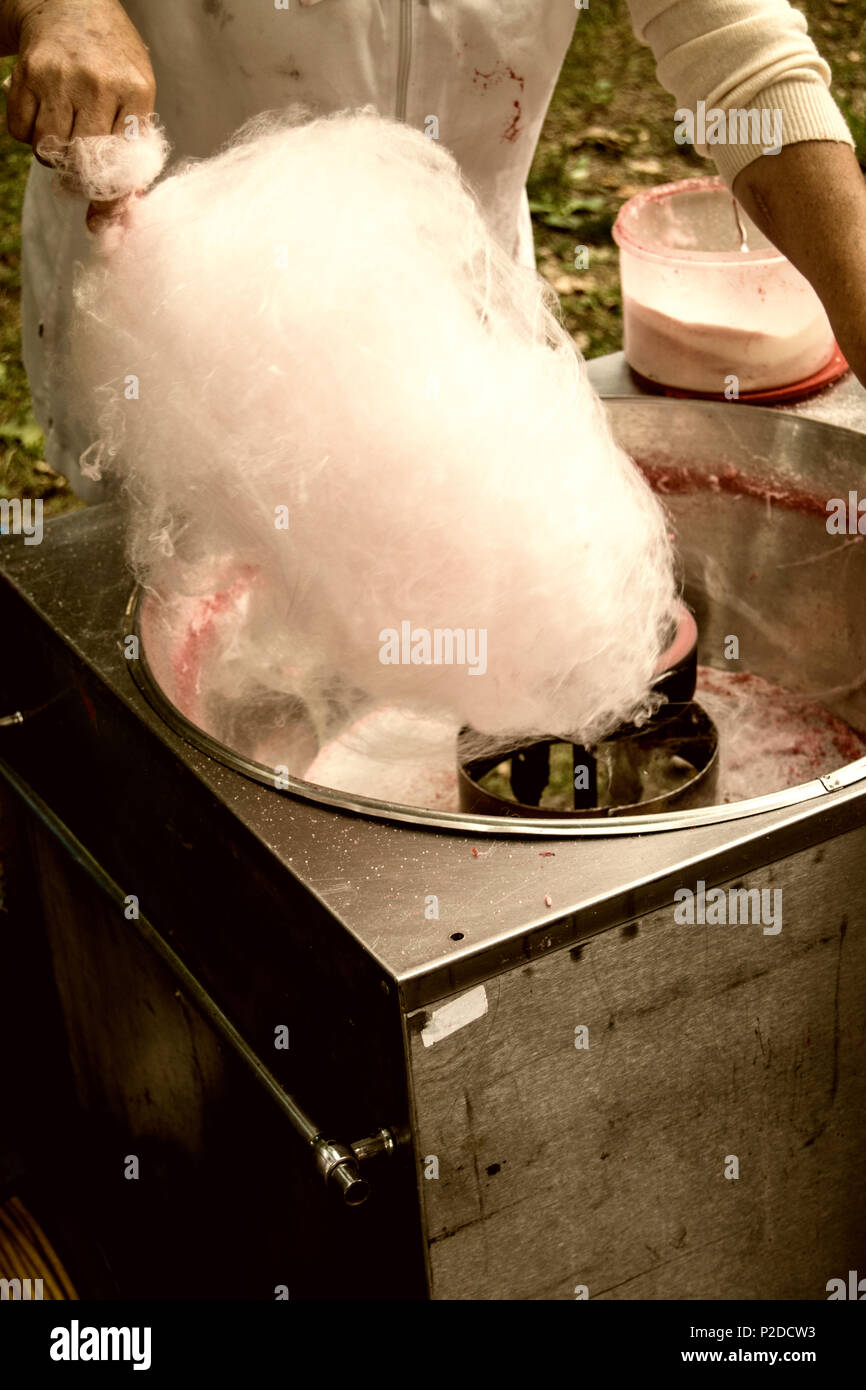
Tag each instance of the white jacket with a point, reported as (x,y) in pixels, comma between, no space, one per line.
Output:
(484,70)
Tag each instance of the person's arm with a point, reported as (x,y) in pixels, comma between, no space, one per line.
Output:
(82,69)
(809,199)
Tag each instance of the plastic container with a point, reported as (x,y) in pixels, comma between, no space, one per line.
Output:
(700,313)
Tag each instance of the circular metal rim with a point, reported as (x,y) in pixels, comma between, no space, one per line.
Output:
(485,764)
(459,822)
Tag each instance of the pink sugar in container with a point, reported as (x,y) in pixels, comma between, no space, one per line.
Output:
(699,310)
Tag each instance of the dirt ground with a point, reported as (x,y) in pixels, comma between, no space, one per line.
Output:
(608,134)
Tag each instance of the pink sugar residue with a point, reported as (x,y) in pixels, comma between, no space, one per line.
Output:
(512,130)
(771,738)
(200,638)
(665,477)
(497,74)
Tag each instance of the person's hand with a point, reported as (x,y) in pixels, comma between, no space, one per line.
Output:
(82,70)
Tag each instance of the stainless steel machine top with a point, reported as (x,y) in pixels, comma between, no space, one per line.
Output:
(507,892)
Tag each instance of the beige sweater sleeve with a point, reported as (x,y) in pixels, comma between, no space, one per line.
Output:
(744,54)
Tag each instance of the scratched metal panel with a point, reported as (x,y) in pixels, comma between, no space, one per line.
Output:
(604,1166)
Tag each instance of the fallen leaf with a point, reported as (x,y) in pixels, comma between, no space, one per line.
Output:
(575,284)
(603,136)
(644,166)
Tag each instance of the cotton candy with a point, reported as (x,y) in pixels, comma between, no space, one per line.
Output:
(100,168)
(320,378)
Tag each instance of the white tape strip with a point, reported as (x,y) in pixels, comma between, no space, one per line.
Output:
(453,1015)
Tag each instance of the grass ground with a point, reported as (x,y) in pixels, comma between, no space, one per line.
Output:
(609,133)
(23,472)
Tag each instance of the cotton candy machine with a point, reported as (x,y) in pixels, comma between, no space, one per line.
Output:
(536,1040)
(772,718)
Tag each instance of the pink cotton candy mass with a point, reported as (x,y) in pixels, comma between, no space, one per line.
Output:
(312,367)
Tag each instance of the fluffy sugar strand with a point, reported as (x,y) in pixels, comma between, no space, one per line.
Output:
(100,168)
(314,369)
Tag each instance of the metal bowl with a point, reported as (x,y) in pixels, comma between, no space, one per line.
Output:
(747,493)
